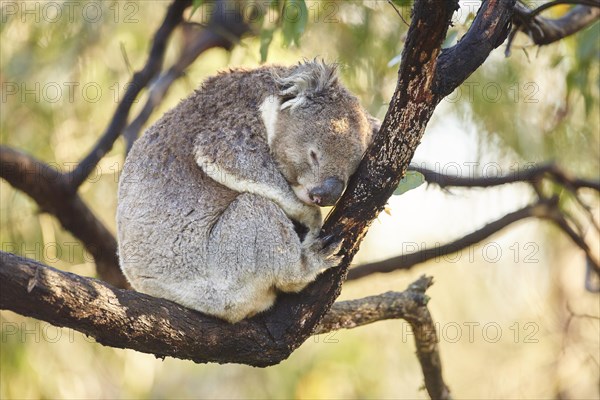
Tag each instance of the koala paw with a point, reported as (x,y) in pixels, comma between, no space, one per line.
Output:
(323,253)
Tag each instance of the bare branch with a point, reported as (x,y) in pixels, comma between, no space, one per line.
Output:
(128,319)
(546,30)
(225,28)
(50,190)
(531,175)
(545,208)
(410,305)
(138,83)
(407,261)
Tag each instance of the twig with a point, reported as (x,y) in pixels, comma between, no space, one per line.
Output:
(407,261)
(397,12)
(225,28)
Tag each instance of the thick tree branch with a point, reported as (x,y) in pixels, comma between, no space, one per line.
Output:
(139,81)
(546,30)
(488,31)
(51,191)
(128,319)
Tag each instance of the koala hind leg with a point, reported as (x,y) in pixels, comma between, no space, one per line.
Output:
(256,249)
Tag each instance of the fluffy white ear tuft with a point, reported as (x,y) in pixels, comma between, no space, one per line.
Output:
(310,77)
(268,112)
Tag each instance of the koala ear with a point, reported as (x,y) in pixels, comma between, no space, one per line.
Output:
(375,125)
(307,79)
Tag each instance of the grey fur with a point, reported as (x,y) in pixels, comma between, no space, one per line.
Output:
(207,196)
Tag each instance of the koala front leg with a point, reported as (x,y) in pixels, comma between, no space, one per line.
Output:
(243,163)
(317,255)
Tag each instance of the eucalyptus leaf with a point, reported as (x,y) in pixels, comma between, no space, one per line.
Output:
(411,180)
(266,37)
(294,20)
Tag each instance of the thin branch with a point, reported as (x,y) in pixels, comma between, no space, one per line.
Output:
(50,190)
(391,3)
(530,175)
(225,28)
(550,4)
(543,30)
(407,261)
(410,305)
(138,83)
(544,208)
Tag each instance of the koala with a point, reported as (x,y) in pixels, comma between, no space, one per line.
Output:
(219,201)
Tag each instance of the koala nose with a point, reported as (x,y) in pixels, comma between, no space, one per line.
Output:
(328,193)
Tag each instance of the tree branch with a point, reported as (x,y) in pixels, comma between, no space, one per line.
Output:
(225,28)
(410,305)
(488,31)
(546,30)
(51,191)
(128,319)
(139,81)
(407,261)
(532,174)
(545,208)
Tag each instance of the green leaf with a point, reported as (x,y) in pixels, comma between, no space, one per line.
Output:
(411,180)
(294,16)
(196,5)
(266,37)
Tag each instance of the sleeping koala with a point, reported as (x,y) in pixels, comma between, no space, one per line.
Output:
(219,200)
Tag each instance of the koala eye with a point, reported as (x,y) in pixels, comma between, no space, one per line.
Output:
(314,158)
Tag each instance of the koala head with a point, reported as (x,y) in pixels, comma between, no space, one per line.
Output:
(317,131)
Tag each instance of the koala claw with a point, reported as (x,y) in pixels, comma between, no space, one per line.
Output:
(323,252)
(328,240)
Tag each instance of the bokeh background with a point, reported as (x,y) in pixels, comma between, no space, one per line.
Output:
(514,318)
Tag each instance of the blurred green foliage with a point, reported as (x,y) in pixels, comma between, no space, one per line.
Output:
(62,77)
